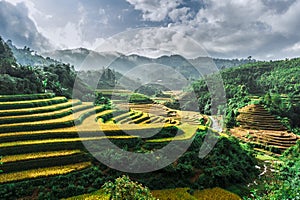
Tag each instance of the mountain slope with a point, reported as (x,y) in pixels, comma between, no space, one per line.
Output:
(85,59)
(28,57)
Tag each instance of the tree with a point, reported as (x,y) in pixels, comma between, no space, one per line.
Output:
(286,183)
(125,189)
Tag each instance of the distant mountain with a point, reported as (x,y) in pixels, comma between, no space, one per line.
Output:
(28,57)
(173,71)
(84,59)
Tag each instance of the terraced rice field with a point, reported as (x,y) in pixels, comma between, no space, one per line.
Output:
(39,137)
(262,129)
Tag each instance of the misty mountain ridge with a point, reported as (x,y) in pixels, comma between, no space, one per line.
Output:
(28,57)
(85,59)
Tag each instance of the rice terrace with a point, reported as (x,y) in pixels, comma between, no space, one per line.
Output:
(149,100)
(39,139)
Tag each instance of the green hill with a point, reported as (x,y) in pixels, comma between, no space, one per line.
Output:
(37,75)
(276,84)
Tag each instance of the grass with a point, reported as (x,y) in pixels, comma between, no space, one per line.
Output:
(30,156)
(26,111)
(110,91)
(40,132)
(173,194)
(59,140)
(133,116)
(21,97)
(97,195)
(265,157)
(189,132)
(170,194)
(215,194)
(31,103)
(124,127)
(42,172)
(43,116)
(153,119)
(40,147)
(122,116)
(144,117)
(67,121)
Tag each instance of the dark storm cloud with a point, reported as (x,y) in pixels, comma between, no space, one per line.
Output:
(17,26)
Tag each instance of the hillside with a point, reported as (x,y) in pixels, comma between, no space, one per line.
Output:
(16,78)
(275,83)
(258,126)
(26,57)
(90,60)
(48,143)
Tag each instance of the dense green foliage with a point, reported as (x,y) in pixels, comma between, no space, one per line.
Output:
(106,79)
(100,99)
(139,98)
(286,183)
(257,78)
(17,79)
(155,90)
(23,97)
(25,56)
(234,165)
(286,108)
(56,187)
(125,189)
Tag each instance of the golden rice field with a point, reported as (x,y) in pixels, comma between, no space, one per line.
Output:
(41,109)
(215,194)
(68,118)
(171,194)
(60,114)
(42,172)
(32,101)
(37,155)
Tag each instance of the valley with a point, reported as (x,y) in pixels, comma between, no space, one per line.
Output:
(66,134)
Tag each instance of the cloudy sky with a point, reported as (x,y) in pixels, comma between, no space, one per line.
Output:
(264,29)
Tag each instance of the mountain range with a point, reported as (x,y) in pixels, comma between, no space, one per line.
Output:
(84,59)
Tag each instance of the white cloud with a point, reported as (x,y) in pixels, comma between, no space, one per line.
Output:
(32,10)
(180,14)
(240,28)
(232,28)
(103,16)
(286,23)
(152,42)
(294,48)
(16,25)
(158,10)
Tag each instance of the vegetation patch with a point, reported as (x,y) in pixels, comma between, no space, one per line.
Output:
(36,173)
(215,194)
(139,99)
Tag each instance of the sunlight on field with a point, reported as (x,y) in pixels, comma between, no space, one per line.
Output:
(31,101)
(42,172)
(215,194)
(40,109)
(29,156)
(171,194)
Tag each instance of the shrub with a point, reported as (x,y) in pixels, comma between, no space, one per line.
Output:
(139,98)
(286,183)
(100,99)
(125,189)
